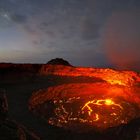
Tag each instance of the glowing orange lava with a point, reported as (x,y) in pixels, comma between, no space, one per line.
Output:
(102,102)
(76,112)
(125,78)
(111,100)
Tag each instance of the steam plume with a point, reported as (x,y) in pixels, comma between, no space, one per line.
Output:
(121,39)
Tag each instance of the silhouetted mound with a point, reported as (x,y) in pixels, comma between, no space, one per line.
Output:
(59,61)
(9,129)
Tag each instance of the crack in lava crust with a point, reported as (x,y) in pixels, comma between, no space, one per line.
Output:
(82,107)
(74,113)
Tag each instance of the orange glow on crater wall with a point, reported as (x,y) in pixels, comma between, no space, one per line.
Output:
(125,78)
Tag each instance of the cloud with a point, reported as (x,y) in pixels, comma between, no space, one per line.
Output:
(19,18)
(13,17)
(90,30)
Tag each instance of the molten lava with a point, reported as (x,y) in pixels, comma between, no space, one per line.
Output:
(125,78)
(86,114)
(86,106)
(102,102)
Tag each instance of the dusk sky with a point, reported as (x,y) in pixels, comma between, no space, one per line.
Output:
(97,33)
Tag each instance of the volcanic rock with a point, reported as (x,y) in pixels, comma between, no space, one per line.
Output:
(10,129)
(3,106)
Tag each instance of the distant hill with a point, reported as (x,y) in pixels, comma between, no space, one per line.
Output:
(59,61)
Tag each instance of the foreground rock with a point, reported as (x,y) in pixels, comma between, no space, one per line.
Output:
(3,106)
(10,129)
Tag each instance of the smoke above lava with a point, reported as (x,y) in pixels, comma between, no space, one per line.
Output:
(121,39)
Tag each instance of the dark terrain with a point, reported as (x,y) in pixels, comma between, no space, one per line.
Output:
(20,81)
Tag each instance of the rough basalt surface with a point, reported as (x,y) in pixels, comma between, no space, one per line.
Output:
(10,129)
